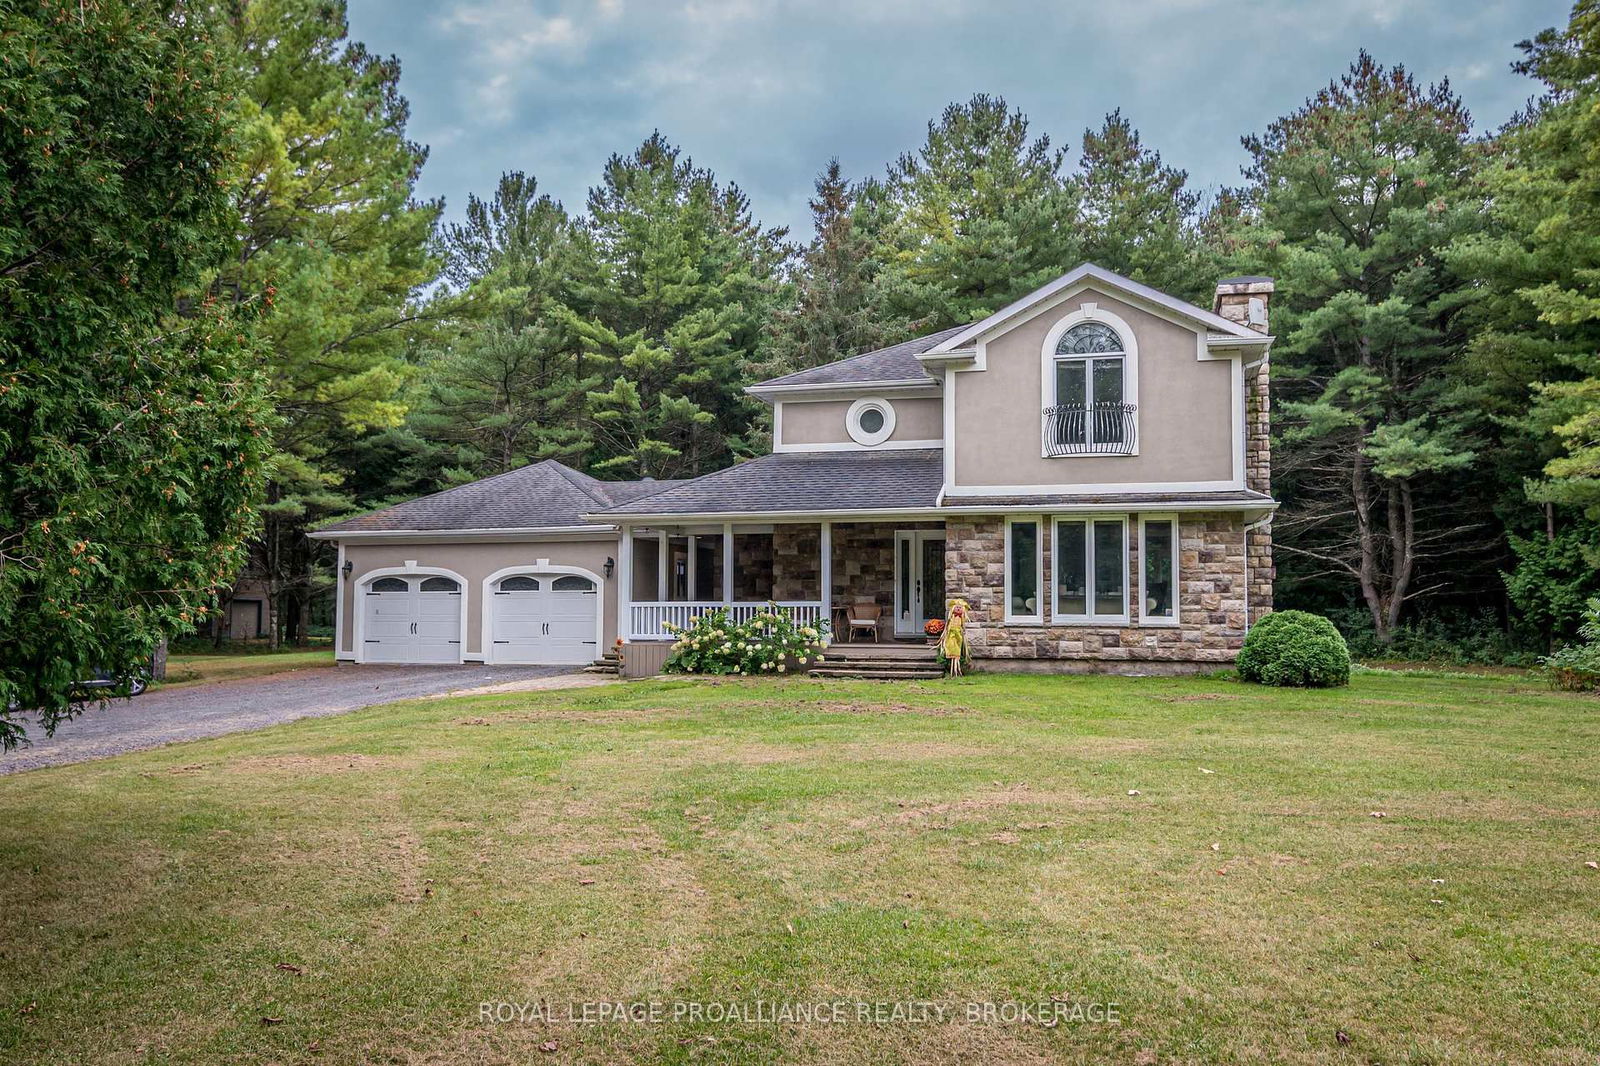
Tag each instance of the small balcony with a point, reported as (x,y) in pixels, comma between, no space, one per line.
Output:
(1097,429)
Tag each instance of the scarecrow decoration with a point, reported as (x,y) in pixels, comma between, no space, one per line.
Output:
(953,654)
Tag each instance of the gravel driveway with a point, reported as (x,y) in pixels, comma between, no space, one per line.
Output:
(209,709)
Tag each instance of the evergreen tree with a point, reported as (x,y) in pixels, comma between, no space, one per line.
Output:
(132,438)
(1138,215)
(507,386)
(979,216)
(1358,193)
(1540,261)
(831,314)
(329,223)
(686,281)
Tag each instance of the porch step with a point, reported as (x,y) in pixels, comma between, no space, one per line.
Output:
(608,663)
(862,672)
(888,662)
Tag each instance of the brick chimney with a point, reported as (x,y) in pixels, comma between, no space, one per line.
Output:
(1244,300)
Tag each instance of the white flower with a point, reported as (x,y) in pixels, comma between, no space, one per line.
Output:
(782,668)
(802,660)
(820,659)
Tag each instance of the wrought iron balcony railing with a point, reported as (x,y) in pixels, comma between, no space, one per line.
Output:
(1098,429)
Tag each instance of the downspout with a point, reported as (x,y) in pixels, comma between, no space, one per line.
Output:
(1257,524)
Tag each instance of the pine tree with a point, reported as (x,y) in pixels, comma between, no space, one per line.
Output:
(506,385)
(831,314)
(329,224)
(1138,215)
(686,280)
(1358,192)
(979,216)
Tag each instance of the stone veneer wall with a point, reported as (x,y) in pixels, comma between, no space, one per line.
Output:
(1211,606)
(863,564)
(1258,476)
(797,562)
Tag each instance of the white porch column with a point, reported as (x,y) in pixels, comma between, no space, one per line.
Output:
(692,567)
(827,569)
(625,584)
(727,563)
(661,566)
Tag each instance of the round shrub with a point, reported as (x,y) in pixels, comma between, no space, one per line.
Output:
(1295,648)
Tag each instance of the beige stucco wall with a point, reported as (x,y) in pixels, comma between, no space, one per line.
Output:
(475,561)
(1184,418)
(823,421)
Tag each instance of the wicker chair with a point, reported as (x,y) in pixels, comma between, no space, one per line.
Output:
(864,616)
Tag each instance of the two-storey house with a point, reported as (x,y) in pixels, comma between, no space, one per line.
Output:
(1088,468)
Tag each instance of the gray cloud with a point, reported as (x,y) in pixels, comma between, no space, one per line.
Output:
(764,92)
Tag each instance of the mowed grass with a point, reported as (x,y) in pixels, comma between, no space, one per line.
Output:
(188,669)
(956,842)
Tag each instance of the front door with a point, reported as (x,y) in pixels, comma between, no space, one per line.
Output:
(918,579)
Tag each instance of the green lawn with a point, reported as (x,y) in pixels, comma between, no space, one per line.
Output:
(956,842)
(189,668)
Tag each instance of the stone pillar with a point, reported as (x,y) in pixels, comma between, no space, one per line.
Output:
(1245,300)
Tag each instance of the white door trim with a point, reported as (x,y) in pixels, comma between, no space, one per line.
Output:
(534,570)
(370,576)
(917,538)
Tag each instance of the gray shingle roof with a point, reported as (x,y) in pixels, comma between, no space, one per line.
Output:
(531,497)
(898,362)
(805,481)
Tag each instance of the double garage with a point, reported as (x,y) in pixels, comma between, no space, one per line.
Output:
(491,603)
(535,617)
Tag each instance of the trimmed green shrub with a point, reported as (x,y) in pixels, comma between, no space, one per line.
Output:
(1296,649)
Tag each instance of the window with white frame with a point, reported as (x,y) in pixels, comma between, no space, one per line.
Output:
(1158,569)
(1091,569)
(1088,413)
(1024,570)
(870,421)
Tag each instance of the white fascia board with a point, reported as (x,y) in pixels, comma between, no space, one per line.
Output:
(1089,272)
(844,390)
(1043,507)
(424,536)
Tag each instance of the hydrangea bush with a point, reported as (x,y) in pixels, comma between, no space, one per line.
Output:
(771,642)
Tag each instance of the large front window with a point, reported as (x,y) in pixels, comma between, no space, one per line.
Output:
(1091,570)
(1088,413)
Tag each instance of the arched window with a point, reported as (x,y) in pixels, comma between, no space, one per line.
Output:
(572,584)
(520,583)
(391,584)
(1088,411)
(439,584)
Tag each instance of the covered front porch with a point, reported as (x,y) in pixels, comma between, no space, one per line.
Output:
(823,571)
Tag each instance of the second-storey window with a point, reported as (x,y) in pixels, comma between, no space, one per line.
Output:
(1088,413)
(1091,569)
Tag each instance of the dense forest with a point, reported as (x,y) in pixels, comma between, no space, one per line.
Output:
(330,343)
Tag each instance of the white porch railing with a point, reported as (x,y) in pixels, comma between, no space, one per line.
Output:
(646,620)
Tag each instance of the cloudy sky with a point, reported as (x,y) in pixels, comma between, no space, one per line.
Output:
(765,92)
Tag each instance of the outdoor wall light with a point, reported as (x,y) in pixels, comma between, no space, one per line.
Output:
(611,564)
(348,569)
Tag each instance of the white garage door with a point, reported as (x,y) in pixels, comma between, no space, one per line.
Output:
(411,619)
(544,619)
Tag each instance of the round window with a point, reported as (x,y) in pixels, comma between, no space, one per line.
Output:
(870,421)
